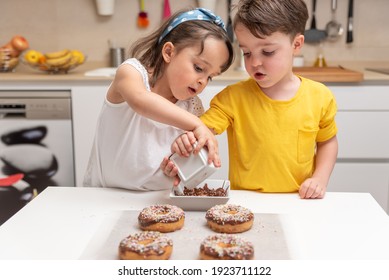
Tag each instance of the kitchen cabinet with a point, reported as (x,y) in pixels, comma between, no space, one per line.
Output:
(363,135)
(86,104)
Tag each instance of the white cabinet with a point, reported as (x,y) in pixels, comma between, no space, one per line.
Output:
(363,135)
(86,105)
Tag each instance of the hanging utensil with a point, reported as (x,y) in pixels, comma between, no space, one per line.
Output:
(10,180)
(143,20)
(334,29)
(314,35)
(349,38)
(230,31)
(166,10)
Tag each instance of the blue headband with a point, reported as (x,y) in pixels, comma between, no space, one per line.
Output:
(197,14)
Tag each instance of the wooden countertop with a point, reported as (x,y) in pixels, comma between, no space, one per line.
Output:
(26,74)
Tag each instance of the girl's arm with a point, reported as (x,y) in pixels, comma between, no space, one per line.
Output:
(326,154)
(128,86)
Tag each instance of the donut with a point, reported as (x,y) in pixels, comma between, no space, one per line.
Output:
(146,245)
(162,218)
(229,218)
(226,247)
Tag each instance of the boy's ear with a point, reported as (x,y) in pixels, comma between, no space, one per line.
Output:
(298,43)
(167,51)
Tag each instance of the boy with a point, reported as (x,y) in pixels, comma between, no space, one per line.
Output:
(281,127)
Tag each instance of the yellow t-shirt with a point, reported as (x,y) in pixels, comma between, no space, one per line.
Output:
(272,143)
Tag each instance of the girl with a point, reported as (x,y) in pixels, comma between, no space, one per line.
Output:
(153,99)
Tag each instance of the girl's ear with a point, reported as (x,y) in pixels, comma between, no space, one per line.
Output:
(298,43)
(168,51)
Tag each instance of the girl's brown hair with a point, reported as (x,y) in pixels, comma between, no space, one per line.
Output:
(148,50)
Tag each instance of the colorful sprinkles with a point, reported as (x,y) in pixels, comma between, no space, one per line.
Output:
(161,213)
(227,246)
(229,214)
(146,242)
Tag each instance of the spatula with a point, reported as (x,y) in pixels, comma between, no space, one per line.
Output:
(314,35)
(229,28)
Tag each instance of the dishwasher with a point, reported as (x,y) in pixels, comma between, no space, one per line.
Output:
(36,145)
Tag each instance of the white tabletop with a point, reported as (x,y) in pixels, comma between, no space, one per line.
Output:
(59,223)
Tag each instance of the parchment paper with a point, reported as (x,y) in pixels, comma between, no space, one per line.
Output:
(266,235)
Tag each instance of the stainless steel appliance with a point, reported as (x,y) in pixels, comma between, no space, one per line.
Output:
(36,140)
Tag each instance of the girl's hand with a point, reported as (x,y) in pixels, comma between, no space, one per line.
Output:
(205,137)
(169,169)
(183,146)
(312,188)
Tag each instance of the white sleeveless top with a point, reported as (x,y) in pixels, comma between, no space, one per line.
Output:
(128,148)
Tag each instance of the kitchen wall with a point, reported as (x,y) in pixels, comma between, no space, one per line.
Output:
(51,25)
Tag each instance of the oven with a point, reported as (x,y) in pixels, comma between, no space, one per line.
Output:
(36,145)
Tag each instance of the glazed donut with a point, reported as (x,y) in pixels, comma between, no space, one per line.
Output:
(229,218)
(146,245)
(226,247)
(162,218)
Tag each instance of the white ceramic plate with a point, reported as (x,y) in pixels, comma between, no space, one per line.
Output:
(202,203)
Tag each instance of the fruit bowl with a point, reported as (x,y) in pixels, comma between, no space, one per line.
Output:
(62,63)
(7,62)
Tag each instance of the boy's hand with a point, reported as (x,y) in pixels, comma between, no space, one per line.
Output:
(183,145)
(312,188)
(170,170)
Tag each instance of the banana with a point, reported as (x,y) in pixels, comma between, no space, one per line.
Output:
(59,61)
(71,63)
(79,55)
(57,54)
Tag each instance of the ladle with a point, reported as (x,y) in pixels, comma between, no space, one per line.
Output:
(334,29)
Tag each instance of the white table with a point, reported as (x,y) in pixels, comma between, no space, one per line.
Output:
(59,223)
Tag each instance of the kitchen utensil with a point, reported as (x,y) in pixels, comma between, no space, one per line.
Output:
(349,38)
(105,7)
(34,161)
(166,10)
(194,169)
(334,29)
(229,28)
(202,203)
(10,180)
(117,56)
(314,35)
(33,135)
(143,20)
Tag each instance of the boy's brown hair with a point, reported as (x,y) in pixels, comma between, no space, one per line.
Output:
(264,17)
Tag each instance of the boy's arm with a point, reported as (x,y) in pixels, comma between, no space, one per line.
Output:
(326,154)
